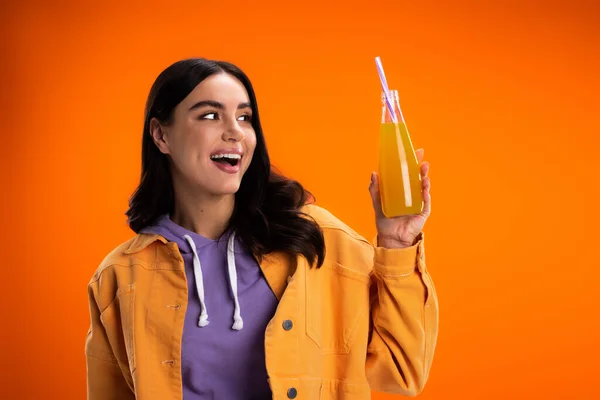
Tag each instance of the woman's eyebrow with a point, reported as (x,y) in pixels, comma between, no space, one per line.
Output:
(216,104)
(211,103)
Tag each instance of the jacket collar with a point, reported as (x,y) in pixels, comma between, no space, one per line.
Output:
(277,267)
(143,240)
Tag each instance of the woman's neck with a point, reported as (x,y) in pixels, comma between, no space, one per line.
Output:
(206,215)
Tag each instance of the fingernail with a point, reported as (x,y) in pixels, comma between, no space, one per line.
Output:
(372,177)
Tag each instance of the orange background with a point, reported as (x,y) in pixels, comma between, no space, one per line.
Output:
(503,97)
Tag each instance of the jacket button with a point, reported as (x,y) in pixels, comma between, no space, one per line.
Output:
(292,393)
(287,325)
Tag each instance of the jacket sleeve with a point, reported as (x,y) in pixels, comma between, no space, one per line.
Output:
(105,379)
(404,321)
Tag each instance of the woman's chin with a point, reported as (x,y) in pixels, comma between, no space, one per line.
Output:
(227,188)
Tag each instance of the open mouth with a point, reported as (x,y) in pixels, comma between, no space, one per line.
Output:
(231,159)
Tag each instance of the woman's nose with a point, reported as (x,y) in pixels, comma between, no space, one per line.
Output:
(233,132)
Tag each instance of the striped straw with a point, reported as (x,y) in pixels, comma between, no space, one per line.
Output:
(384,86)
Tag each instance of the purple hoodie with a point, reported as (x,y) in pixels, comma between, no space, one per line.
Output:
(229,307)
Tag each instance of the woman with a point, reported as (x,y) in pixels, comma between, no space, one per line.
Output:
(235,287)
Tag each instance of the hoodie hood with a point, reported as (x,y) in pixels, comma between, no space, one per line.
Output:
(168,229)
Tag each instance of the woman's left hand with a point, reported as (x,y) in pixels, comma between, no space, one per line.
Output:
(400,232)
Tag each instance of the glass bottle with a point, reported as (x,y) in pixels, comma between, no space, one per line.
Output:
(399,171)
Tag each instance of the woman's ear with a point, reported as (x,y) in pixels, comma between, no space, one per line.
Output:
(159,136)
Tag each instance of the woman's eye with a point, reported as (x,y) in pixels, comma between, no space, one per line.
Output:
(209,116)
(245,117)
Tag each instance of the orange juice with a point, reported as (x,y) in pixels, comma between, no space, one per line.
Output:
(399,171)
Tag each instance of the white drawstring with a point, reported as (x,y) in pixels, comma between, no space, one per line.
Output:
(203,321)
(238,323)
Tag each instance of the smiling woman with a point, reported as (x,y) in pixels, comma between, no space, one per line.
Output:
(235,285)
(231,156)
(210,123)
(198,112)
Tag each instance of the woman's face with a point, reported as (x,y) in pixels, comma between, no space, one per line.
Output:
(210,140)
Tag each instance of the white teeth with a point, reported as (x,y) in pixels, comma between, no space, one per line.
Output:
(232,156)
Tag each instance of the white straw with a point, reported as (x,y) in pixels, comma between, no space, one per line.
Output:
(386,91)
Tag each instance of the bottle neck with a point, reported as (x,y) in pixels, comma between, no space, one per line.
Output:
(394,102)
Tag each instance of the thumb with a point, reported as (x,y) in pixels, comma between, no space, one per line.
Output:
(375,195)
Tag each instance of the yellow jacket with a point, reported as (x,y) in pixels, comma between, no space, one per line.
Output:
(368,319)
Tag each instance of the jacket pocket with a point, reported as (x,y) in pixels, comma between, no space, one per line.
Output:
(341,390)
(337,300)
(118,320)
